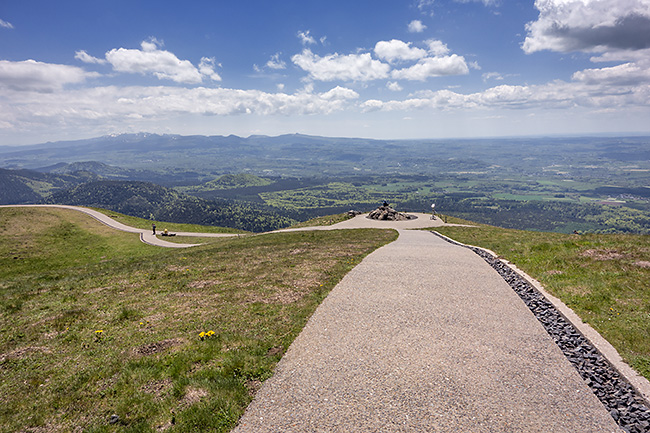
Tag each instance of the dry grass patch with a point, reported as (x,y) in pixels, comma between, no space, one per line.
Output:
(603,254)
(151,304)
(158,388)
(157,347)
(193,396)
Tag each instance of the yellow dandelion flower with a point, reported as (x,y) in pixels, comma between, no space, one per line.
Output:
(201,335)
(99,331)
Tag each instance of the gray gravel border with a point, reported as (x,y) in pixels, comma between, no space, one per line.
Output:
(623,401)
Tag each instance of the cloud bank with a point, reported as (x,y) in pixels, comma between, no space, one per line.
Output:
(152,60)
(589,25)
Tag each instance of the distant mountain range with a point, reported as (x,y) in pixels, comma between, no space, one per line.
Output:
(187,159)
(295,177)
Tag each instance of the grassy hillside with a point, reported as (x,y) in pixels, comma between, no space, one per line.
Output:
(94,323)
(604,278)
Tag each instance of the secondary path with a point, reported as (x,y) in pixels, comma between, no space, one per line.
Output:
(424,336)
(146,235)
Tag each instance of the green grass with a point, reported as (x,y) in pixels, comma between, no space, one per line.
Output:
(605,279)
(72,277)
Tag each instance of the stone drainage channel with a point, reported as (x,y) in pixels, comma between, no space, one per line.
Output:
(620,398)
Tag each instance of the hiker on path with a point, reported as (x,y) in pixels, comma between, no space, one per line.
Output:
(153,227)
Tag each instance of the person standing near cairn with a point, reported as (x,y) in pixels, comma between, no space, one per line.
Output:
(153,227)
(433,211)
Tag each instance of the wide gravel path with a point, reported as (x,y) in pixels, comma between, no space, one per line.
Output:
(424,336)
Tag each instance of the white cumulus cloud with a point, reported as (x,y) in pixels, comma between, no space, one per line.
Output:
(589,25)
(87,58)
(396,50)
(306,38)
(275,62)
(416,26)
(394,86)
(152,60)
(627,74)
(433,67)
(351,67)
(206,68)
(30,75)
(437,48)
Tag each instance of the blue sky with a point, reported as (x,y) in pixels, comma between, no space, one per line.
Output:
(376,68)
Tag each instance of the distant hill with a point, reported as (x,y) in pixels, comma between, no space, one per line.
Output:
(150,201)
(14,189)
(28,186)
(111,172)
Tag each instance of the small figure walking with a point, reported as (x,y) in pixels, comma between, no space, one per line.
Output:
(153,227)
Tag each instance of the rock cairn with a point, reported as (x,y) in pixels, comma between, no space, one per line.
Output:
(387,213)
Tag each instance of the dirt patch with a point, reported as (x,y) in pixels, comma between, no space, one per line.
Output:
(96,290)
(603,254)
(193,396)
(274,350)
(157,347)
(253,386)
(175,268)
(19,353)
(577,290)
(284,297)
(201,284)
(554,272)
(642,263)
(157,388)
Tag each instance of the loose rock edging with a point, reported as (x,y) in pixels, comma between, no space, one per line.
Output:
(622,400)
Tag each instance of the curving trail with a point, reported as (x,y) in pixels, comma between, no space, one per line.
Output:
(146,236)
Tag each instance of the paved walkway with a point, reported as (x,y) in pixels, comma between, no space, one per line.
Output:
(424,336)
(421,336)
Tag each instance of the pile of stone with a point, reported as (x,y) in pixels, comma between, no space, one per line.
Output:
(387,213)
